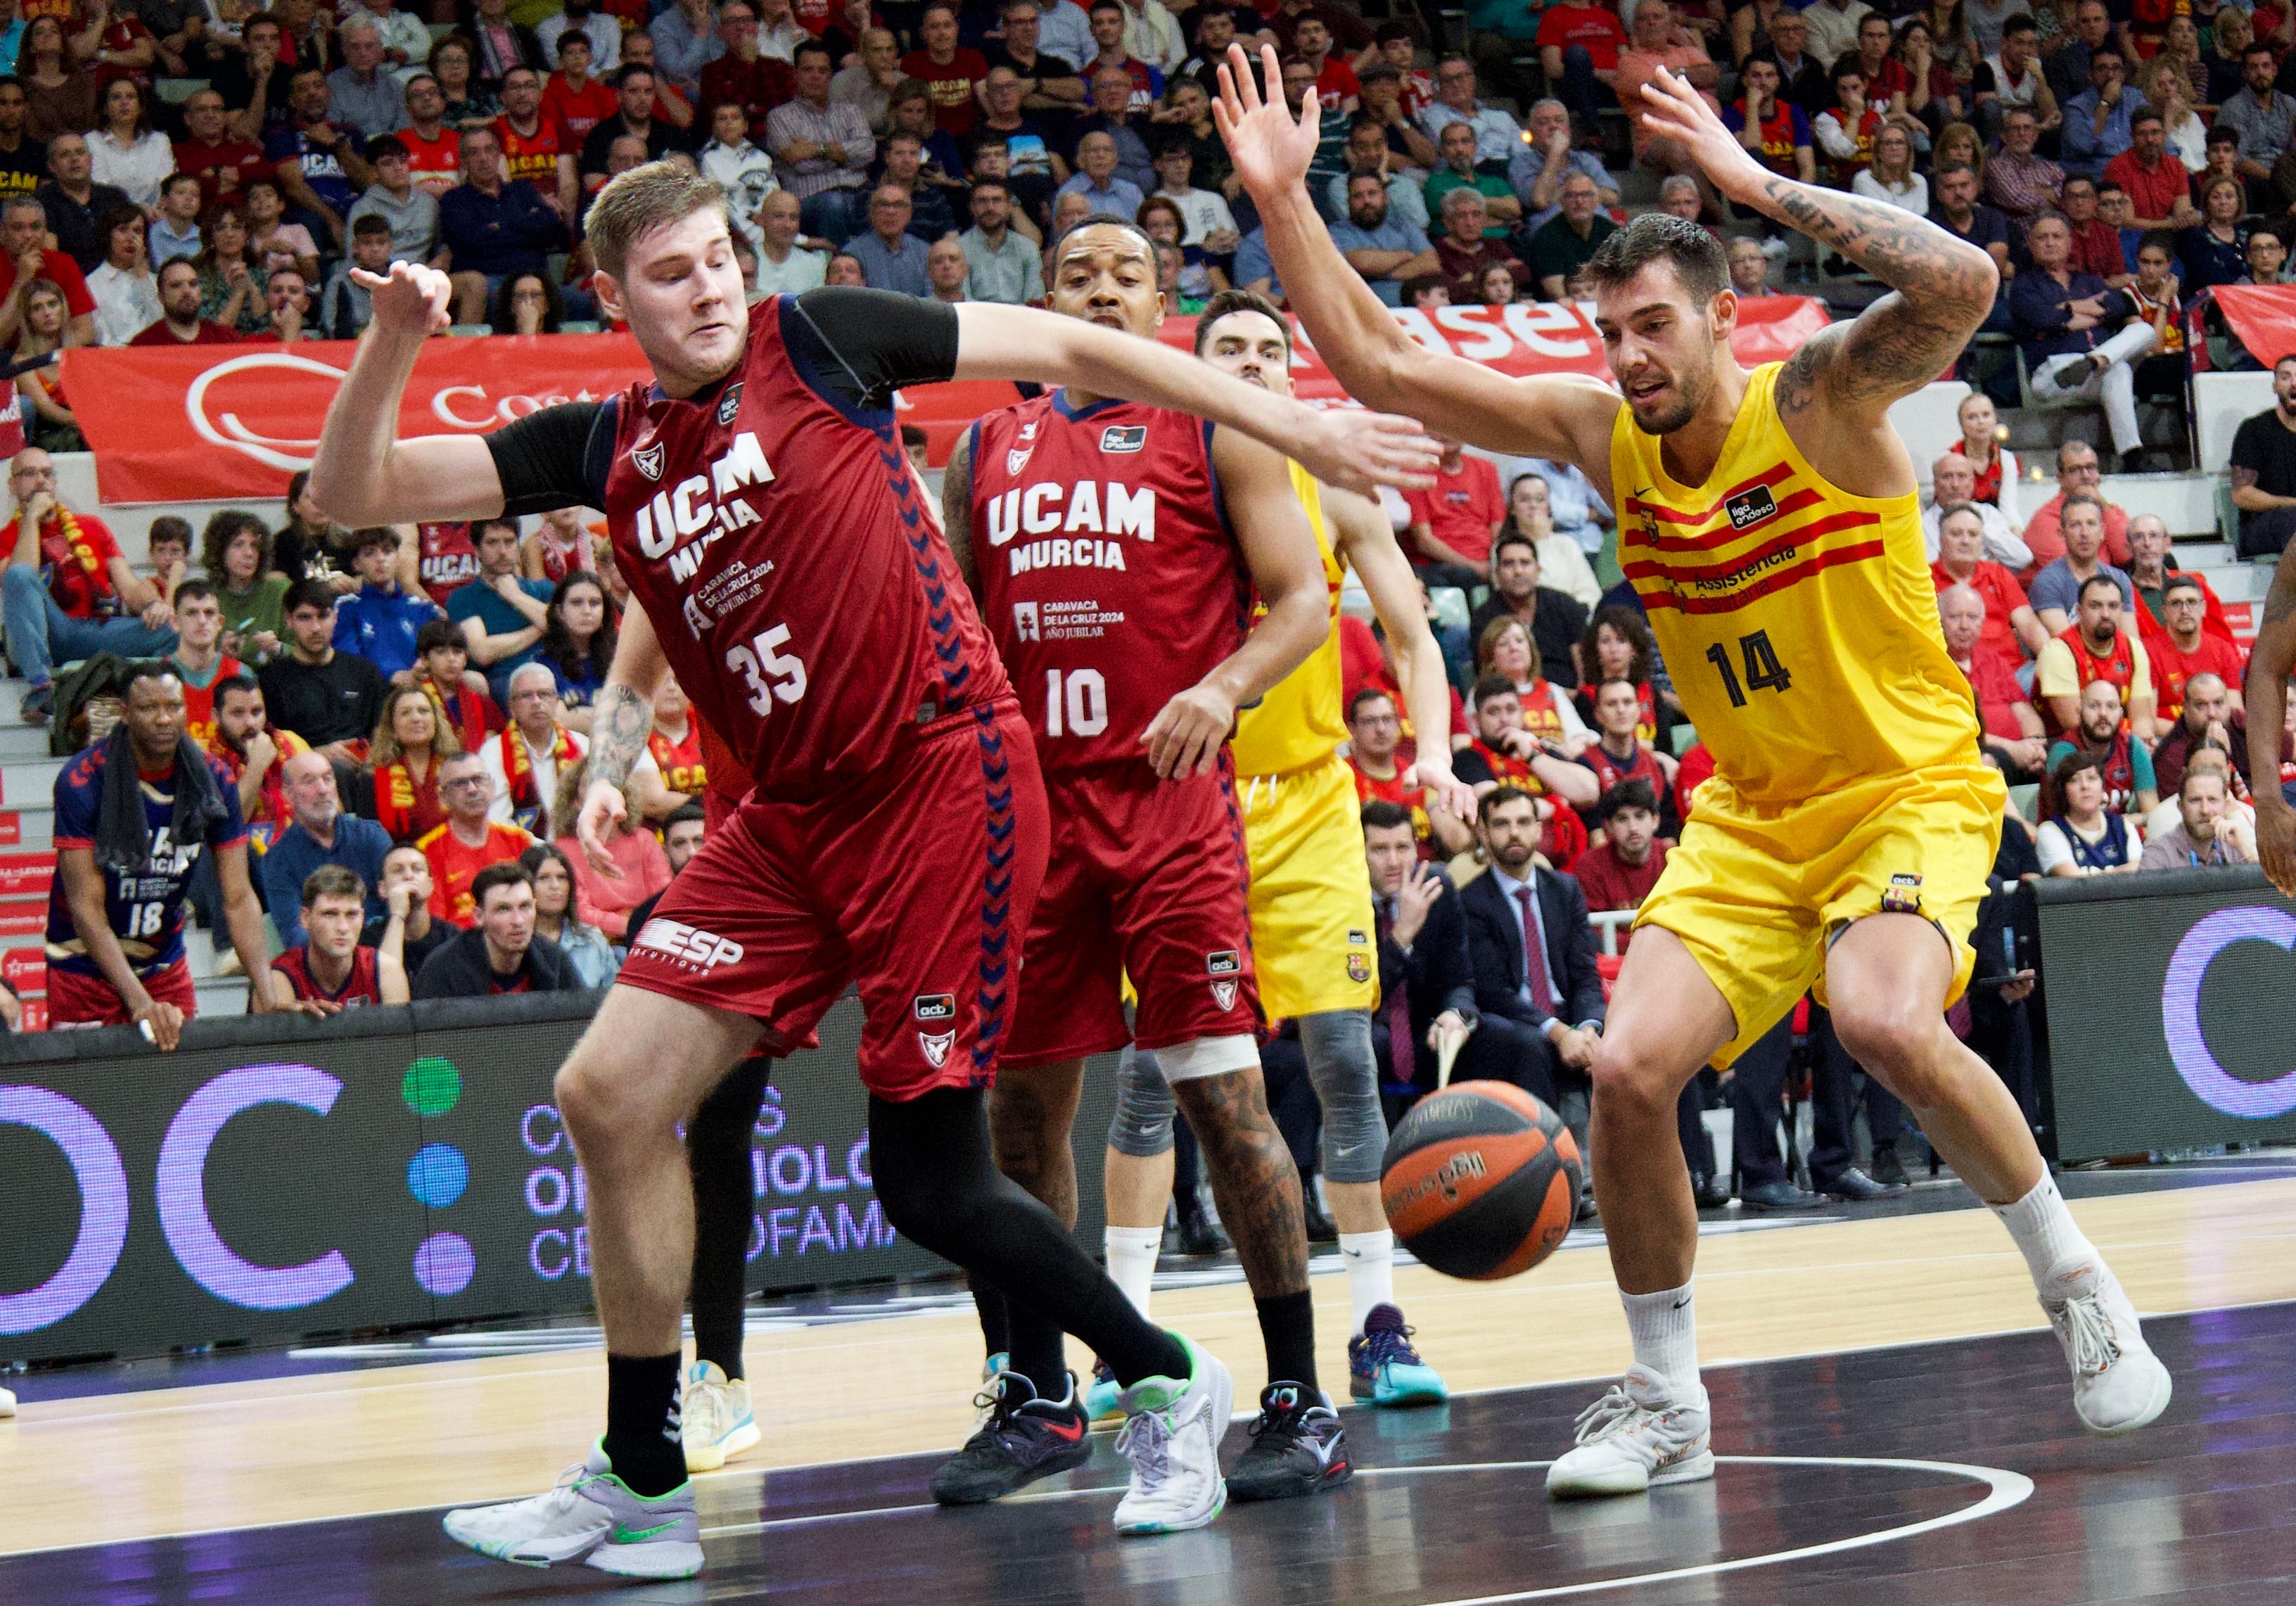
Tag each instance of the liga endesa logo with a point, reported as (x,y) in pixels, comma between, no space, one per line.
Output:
(269,404)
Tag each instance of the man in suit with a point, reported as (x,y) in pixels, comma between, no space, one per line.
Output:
(1426,991)
(1532,951)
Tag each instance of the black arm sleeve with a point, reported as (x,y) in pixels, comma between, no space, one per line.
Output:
(557,457)
(866,344)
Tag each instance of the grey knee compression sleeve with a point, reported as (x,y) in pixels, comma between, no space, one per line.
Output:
(1346,1079)
(1142,1126)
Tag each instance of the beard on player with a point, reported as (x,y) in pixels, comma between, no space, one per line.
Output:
(1664,336)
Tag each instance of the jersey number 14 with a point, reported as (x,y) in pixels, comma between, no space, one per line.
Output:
(1763,673)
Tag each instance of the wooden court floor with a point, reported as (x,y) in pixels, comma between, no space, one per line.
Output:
(181,1461)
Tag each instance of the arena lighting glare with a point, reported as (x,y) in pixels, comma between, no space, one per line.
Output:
(2180,1012)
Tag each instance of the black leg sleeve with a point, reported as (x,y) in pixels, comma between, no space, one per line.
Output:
(931,1159)
(717,1143)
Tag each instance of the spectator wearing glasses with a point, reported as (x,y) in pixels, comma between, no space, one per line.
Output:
(1378,755)
(468,842)
(524,762)
(500,952)
(2078,473)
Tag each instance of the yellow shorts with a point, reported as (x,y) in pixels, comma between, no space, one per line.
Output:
(1757,893)
(1311,919)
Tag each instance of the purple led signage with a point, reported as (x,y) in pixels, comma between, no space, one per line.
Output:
(2180,1012)
(104,1207)
(181,1186)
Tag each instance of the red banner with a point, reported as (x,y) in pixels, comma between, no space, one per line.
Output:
(200,423)
(2262,316)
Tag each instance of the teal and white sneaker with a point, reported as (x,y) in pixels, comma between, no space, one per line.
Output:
(1103,1401)
(1384,1368)
(985,1402)
(1172,1437)
(714,1417)
(591,1517)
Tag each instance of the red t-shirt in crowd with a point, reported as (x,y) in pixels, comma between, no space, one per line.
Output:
(954,111)
(1610,884)
(1372,789)
(1697,765)
(575,112)
(454,866)
(437,164)
(1610,773)
(2003,597)
(241,159)
(199,703)
(1994,685)
(1461,510)
(1336,82)
(364,985)
(2172,667)
(211,333)
(57,267)
(756,87)
(1597,27)
(80,593)
(534,157)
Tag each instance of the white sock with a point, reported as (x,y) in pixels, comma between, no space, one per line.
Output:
(1370,1258)
(1664,1326)
(2043,1228)
(1132,1261)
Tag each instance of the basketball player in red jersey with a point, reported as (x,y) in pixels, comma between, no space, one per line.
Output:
(1113,547)
(786,570)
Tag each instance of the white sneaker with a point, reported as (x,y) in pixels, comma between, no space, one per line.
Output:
(592,1517)
(714,1417)
(1636,1438)
(1171,1436)
(7,1404)
(2119,1384)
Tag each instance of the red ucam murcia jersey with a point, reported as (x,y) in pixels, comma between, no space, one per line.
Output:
(1108,575)
(772,531)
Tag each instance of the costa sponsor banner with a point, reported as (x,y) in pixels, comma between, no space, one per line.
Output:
(200,423)
(2263,316)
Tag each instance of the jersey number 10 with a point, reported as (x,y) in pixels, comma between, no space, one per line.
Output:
(1763,673)
(1075,704)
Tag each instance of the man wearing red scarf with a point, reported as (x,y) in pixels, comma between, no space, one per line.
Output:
(67,593)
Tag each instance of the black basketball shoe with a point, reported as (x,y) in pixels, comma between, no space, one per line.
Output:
(1024,1438)
(1297,1447)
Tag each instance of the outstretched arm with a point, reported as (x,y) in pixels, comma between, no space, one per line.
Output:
(1346,446)
(1567,419)
(1838,387)
(2268,668)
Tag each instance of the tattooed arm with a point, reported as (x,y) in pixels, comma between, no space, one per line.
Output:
(621,718)
(2268,668)
(956,510)
(1835,392)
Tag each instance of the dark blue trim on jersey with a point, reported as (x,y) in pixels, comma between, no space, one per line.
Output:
(798,336)
(598,448)
(1076,414)
(1212,473)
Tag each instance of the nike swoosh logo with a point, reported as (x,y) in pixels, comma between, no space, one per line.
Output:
(626,1535)
(1066,1432)
(1682,1303)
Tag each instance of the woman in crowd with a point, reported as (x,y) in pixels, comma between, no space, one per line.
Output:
(306,544)
(469,104)
(48,421)
(1200,278)
(2180,44)
(1958,143)
(1891,179)
(456,690)
(1844,131)
(2168,91)
(558,916)
(527,304)
(561,545)
(577,644)
(127,152)
(2217,252)
(2230,36)
(2085,838)
(58,97)
(235,550)
(674,745)
(272,240)
(1618,646)
(2154,295)
(1563,566)
(1505,647)
(605,902)
(233,284)
(1995,464)
(410,743)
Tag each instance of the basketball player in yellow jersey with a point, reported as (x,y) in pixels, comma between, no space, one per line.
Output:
(1312,924)
(1769,523)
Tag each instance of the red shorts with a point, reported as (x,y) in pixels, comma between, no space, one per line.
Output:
(78,1000)
(915,881)
(1148,880)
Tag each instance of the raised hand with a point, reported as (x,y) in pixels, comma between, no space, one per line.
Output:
(1269,150)
(1360,450)
(1672,109)
(410,299)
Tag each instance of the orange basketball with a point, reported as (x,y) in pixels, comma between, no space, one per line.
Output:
(1481,1180)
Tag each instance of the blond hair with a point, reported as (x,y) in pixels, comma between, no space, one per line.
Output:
(649,196)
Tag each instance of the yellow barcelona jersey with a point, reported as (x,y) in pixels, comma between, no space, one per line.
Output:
(1299,721)
(1798,622)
